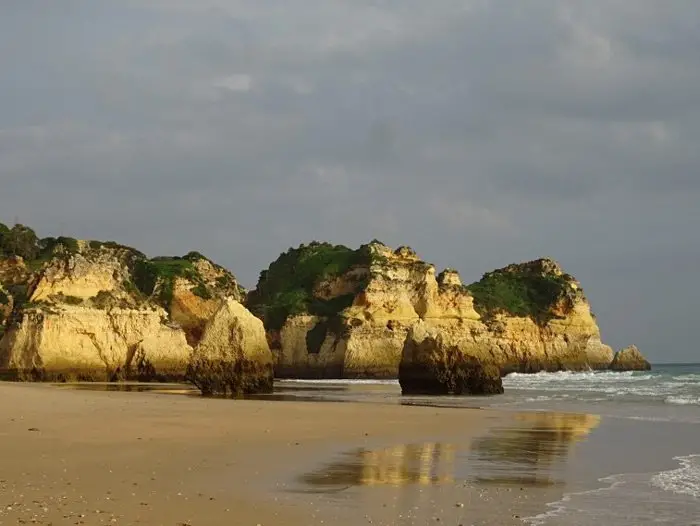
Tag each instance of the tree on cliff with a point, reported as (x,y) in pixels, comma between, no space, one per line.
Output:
(20,241)
(286,288)
(4,230)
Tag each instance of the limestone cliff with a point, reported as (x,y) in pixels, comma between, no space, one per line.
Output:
(101,311)
(333,312)
(68,342)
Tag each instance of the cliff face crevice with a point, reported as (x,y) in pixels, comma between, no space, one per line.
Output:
(525,317)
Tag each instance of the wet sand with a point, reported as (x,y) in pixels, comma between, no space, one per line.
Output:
(89,457)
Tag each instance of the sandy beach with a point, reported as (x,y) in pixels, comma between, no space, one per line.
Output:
(85,457)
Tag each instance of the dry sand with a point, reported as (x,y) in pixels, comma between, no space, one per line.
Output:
(87,457)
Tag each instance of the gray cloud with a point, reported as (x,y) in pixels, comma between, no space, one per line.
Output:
(477,131)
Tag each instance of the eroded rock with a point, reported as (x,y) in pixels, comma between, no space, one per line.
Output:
(233,357)
(92,310)
(431,366)
(352,312)
(630,359)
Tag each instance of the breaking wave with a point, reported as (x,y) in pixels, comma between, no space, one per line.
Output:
(667,497)
(664,387)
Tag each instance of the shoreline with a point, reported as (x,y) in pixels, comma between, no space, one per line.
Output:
(127,458)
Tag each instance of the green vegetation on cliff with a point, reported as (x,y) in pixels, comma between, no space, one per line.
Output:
(147,276)
(286,287)
(22,241)
(4,302)
(158,275)
(520,291)
(19,240)
(162,272)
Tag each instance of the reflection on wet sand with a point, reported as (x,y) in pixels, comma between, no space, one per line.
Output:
(528,453)
(178,389)
(427,463)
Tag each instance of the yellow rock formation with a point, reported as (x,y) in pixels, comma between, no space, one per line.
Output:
(82,316)
(402,290)
(73,342)
(233,357)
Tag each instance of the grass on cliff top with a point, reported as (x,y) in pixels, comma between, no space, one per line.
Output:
(162,272)
(286,287)
(518,294)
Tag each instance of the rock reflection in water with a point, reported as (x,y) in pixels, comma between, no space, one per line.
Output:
(425,464)
(532,452)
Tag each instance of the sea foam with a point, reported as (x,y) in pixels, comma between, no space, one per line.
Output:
(684,480)
(683,400)
(631,499)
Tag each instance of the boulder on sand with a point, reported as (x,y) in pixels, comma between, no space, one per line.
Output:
(430,366)
(233,357)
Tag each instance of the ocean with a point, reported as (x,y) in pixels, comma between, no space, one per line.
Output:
(633,460)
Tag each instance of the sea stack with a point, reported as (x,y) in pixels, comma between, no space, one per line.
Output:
(233,357)
(430,366)
(630,359)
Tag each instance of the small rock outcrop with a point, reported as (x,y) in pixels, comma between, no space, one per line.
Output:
(429,365)
(630,359)
(233,357)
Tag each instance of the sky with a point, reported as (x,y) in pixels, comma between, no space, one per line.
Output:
(478,132)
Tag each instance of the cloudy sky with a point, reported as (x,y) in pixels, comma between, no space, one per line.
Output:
(480,132)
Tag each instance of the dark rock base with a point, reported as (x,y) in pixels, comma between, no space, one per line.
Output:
(333,372)
(70,375)
(467,377)
(224,378)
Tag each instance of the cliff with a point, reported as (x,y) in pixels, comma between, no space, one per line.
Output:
(72,309)
(88,310)
(333,312)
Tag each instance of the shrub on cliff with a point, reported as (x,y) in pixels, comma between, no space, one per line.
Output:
(286,287)
(49,245)
(4,302)
(156,277)
(20,241)
(160,273)
(519,291)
